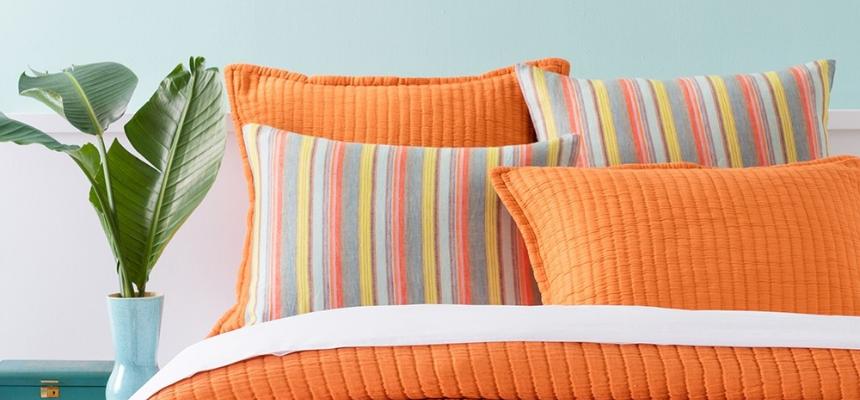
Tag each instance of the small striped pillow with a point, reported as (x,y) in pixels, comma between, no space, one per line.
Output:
(725,121)
(347,224)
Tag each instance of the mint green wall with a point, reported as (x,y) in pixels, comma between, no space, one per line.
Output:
(602,38)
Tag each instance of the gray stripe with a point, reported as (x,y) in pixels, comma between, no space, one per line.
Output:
(558,103)
(414,247)
(653,125)
(293,147)
(743,126)
(795,108)
(444,201)
(477,246)
(713,122)
(349,225)
(317,255)
(381,234)
(772,126)
(621,122)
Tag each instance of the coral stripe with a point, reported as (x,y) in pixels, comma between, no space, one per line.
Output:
(696,124)
(754,115)
(574,114)
(630,101)
(400,229)
(464,263)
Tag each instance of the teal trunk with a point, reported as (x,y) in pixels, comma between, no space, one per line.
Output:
(60,379)
(135,326)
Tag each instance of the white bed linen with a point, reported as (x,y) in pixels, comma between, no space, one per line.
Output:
(446,324)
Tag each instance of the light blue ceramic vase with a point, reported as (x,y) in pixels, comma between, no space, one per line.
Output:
(135,326)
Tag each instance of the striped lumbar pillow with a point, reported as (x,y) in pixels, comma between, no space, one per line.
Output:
(726,121)
(346,224)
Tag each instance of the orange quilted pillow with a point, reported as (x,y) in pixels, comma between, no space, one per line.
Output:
(783,238)
(485,110)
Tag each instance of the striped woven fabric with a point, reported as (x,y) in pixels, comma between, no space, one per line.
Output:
(726,121)
(346,224)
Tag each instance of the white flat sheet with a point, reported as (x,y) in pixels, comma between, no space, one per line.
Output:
(447,324)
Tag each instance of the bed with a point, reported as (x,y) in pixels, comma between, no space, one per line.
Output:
(652,270)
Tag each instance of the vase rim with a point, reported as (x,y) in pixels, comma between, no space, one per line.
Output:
(146,296)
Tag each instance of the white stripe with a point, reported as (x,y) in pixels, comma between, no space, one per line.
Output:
(426,324)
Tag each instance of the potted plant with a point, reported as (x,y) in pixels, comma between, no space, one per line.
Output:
(141,199)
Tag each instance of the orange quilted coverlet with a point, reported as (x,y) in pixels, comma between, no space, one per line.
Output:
(517,370)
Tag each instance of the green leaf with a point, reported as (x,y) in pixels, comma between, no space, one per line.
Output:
(21,133)
(87,157)
(90,97)
(180,133)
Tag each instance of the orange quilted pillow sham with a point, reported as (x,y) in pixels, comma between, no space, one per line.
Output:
(783,238)
(485,110)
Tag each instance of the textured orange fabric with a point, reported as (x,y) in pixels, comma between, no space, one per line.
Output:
(517,370)
(482,110)
(783,238)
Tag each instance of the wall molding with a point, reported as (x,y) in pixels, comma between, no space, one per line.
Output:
(844,120)
(840,120)
(56,125)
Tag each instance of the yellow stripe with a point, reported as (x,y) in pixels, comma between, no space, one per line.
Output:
(494,290)
(365,234)
(428,224)
(668,122)
(303,301)
(824,66)
(825,88)
(604,109)
(728,117)
(553,149)
(545,103)
(784,116)
(254,163)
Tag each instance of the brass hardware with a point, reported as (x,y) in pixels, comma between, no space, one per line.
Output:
(49,392)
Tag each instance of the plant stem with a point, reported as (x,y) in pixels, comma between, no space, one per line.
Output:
(105,171)
(124,284)
(126,289)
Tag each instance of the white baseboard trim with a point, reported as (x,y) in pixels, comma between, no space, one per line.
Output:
(844,120)
(840,120)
